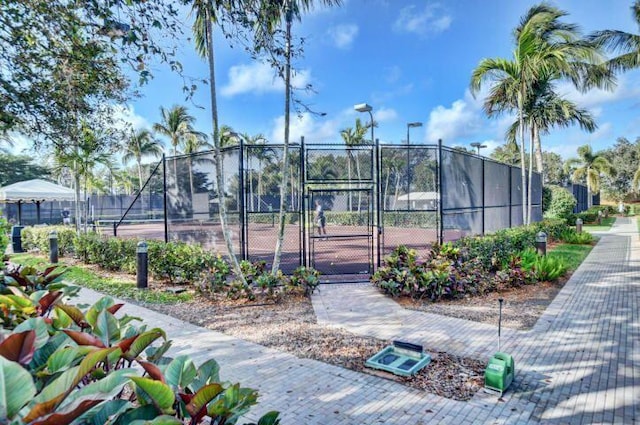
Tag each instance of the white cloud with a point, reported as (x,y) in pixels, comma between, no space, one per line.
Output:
(343,35)
(432,19)
(625,89)
(449,124)
(307,126)
(385,114)
(125,115)
(260,78)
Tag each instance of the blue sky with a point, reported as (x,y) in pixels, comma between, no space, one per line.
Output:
(410,60)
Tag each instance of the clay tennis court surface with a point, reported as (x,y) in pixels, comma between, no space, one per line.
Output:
(345,250)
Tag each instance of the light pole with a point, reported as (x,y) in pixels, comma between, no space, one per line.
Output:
(364,107)
(478,146)
(412,125)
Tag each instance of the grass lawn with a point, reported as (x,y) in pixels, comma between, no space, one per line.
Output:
(572,255)
(607,222)
(120,287)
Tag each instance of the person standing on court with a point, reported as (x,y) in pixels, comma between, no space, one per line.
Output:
(320,219)
(66,217)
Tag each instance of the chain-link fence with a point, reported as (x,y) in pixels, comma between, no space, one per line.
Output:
(371,198)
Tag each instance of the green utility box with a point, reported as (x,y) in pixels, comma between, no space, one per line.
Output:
(499,373)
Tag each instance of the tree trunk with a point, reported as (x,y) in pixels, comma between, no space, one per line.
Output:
(538,149)
(139,161)
(222,207)
(529,188)
(285,150)
(523,173)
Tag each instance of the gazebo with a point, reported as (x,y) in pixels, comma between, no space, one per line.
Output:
(34,191)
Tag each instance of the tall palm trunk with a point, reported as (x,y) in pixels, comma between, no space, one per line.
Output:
(222,207)
(529,188)
(285,150)
(538,149)
(139,162)
(523,173)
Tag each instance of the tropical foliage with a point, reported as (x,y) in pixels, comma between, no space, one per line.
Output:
(94,366)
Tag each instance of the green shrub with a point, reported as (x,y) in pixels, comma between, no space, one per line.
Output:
(306,278)
(4,235)
(543,268)
(443,274)
(37,238)
(572,237)
(561,204)
(546,198)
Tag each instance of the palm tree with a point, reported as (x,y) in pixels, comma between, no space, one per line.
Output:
(589,168)
(206,14)
(194,143)
(546,50)
(626,44)
(141,144)
(270,15)
(355,137)
(262,153)
(176,124)
(84,160)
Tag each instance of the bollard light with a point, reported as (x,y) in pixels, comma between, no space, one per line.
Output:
(579,225)
(600,217)
(142,270)
(541,243)
(53,247)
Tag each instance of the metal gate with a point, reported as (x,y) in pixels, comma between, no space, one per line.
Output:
(340,179)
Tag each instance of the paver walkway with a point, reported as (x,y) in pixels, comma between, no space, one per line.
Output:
(580,363)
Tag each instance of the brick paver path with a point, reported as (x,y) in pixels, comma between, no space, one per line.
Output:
(580,363)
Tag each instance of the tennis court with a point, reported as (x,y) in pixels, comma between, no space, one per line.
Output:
(375,197)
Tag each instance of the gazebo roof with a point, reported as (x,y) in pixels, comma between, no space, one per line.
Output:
(36,190)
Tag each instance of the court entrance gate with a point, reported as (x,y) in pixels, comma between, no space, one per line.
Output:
(340,180)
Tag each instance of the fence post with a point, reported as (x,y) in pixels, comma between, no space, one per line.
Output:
(303,205)
(164,198)
(378,217)
(53,247)
(440,225)
(142,271)
(241,199)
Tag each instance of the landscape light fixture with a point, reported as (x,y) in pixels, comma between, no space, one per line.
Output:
(478,146)
(412,125)
(364,107)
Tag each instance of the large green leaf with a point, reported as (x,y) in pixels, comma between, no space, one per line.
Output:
(270,418)
(66,415)
(83,338)
(101,414)
(92,313)
(160,420)
(160,393)
(19,347)
(106,327)
(143,341)
(203,397)
(105,388)
(42,355)
(208,373)
(12,377)
(75,314)
(148,412)
(68,380)
(180,372)
(64,358)
(37,324)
